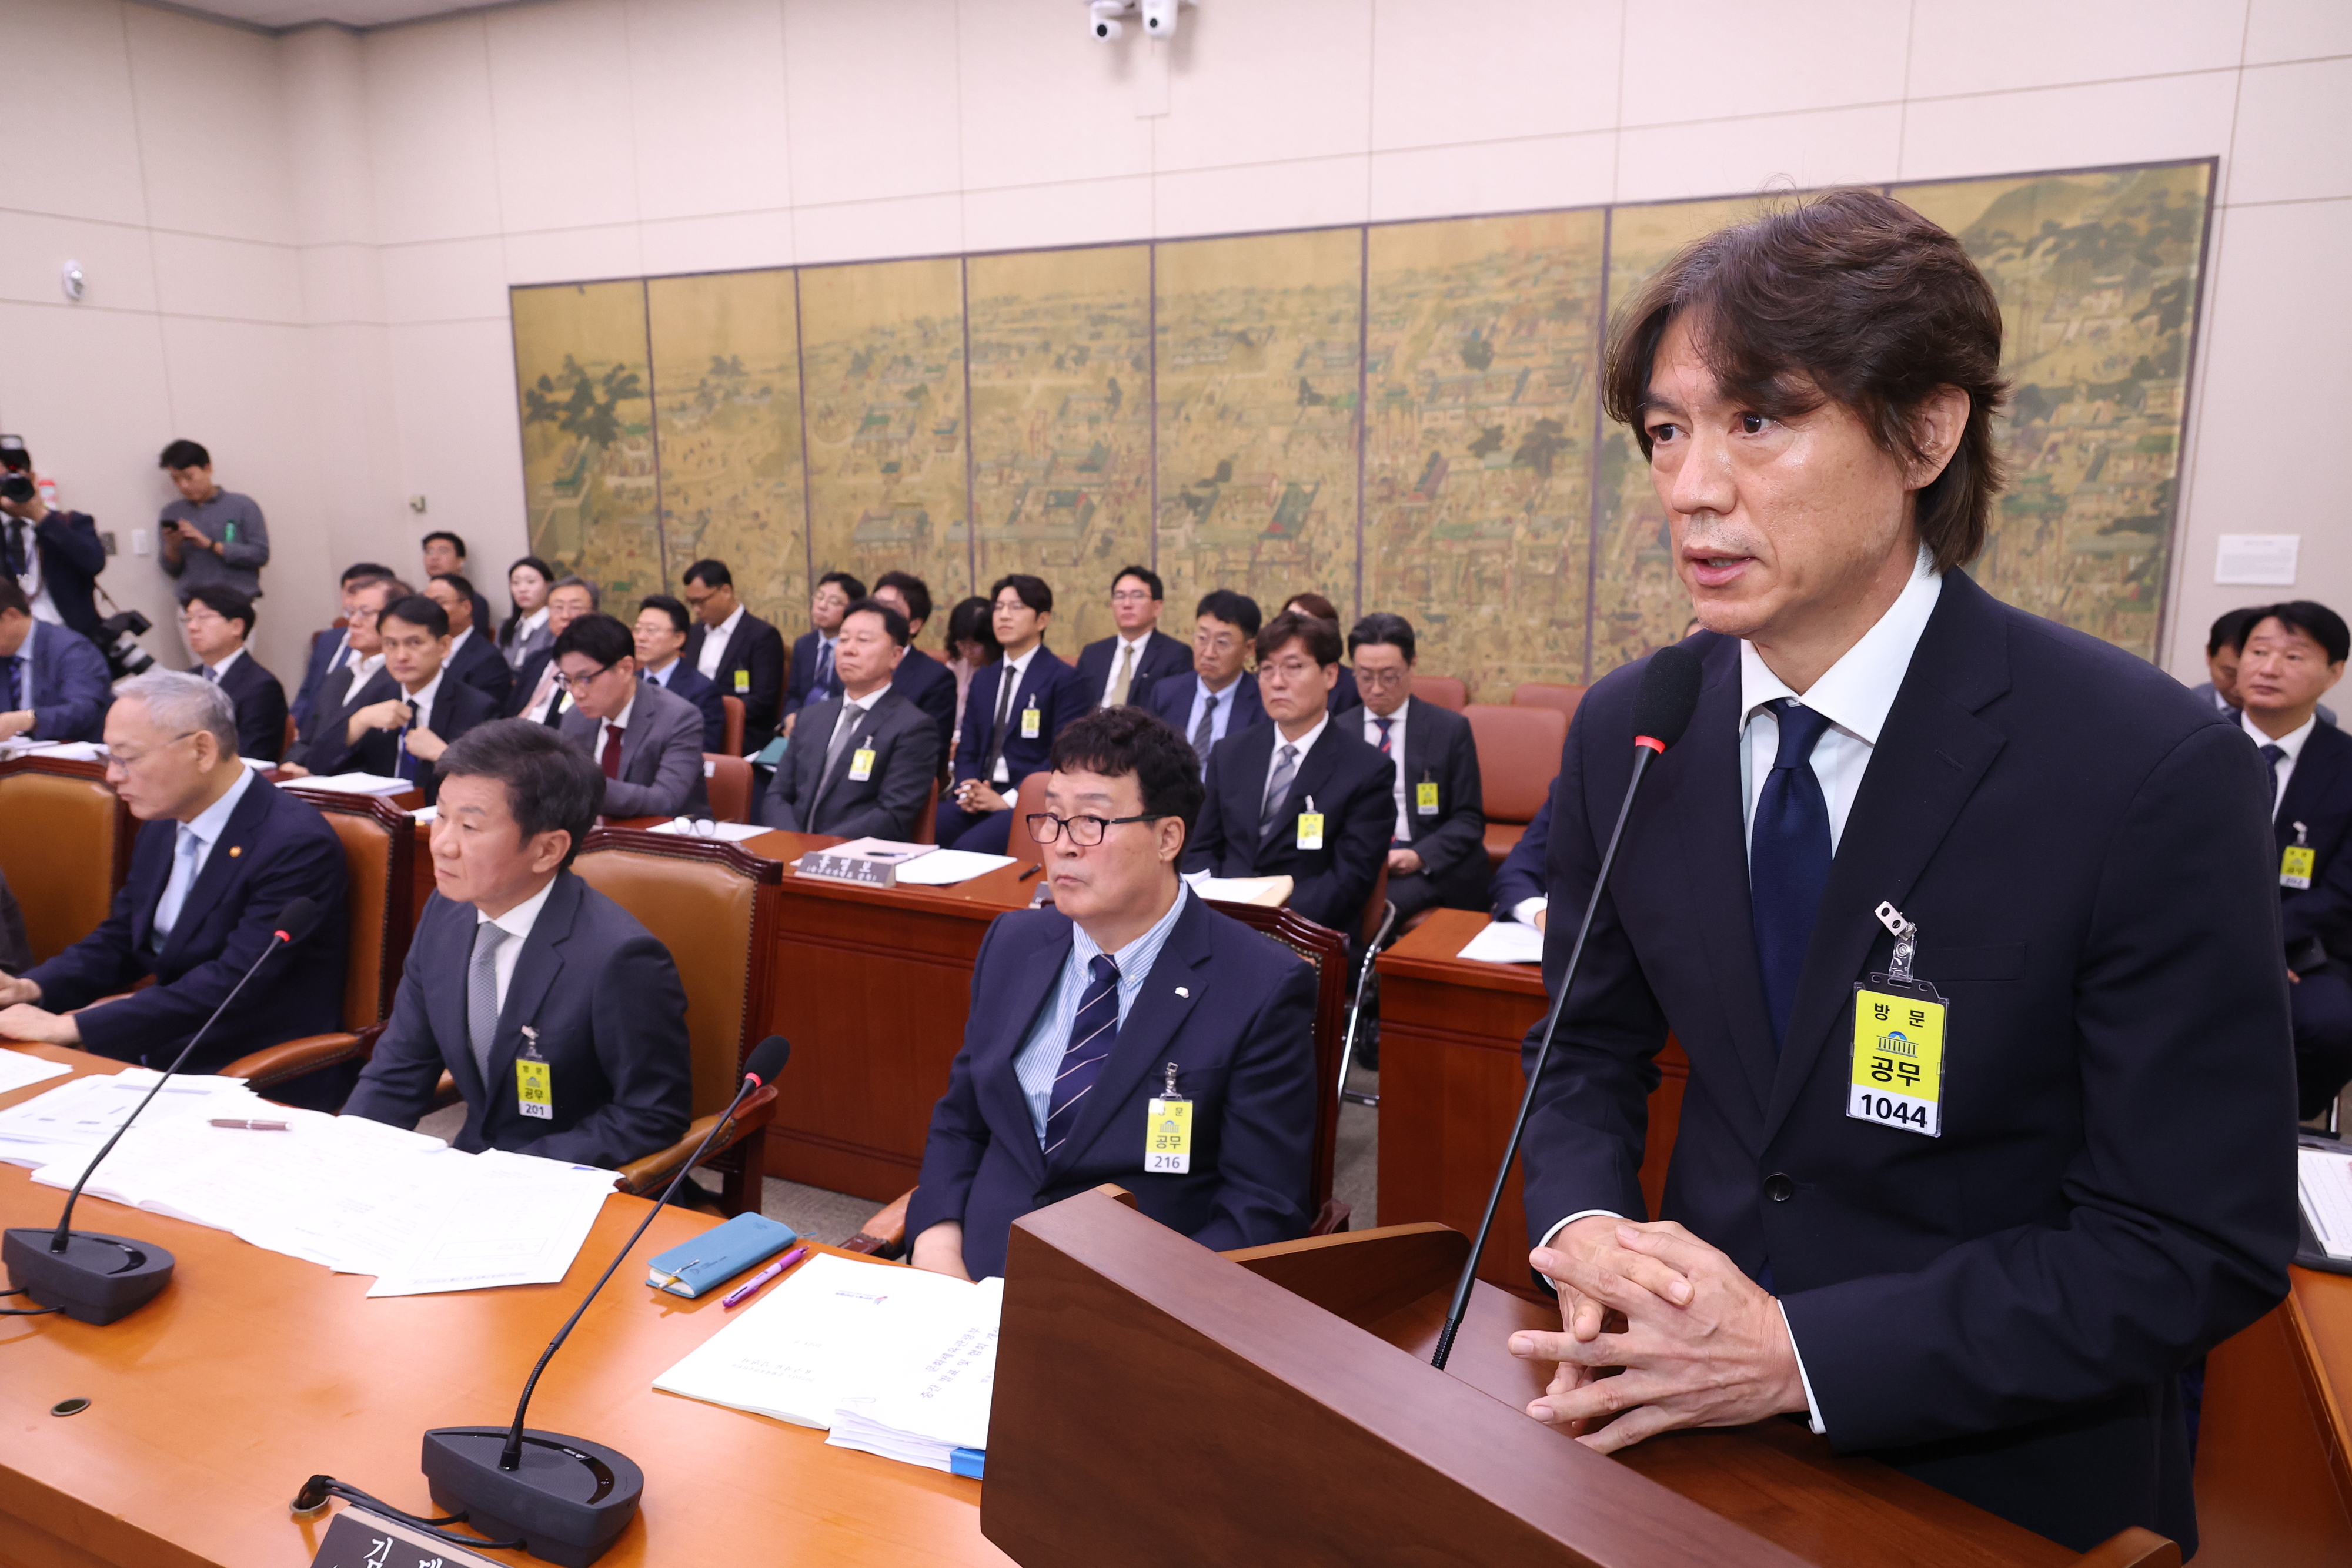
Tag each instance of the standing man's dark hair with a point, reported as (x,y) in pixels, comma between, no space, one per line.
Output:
(185,455)
(446,537)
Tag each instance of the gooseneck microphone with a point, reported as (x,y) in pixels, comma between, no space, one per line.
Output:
(94,1278)
(562,1498)
(1662,705)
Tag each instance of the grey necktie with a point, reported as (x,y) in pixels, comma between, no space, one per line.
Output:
(1278,790)
(844,727)
(1205,728)
(482,996)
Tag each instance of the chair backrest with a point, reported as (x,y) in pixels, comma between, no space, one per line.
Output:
(714,907)
(734,728)
(1547,693)
(1518,756)
(1327,951)
(65,847)
(1445,691)
(1025,850)
(728,784)
(926,826)
(292,734)
(379,857)
(1376,906)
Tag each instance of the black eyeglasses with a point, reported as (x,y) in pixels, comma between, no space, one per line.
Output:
(573,682)
(1084,831)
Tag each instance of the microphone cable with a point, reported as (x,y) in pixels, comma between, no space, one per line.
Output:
(318,1489)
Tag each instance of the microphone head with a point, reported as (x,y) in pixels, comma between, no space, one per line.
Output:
(296,920)
(1667,698)
(767,1059)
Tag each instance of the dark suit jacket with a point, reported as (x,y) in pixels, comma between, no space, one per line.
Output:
(686,681)
(754,670)
(1049,685)
(1164,658)
(457,708)
(803,689)
(1343,695)
(931,686)
(889,804)
(1439,749)
(1243,1044)
(324,646)
(260,702)
(1171,700)
(2001,1310)
(2319,796)
(661,755)
(1350,783)
(324,738)
(71,556)
(275,849)
(605,999)
(1521,875)
(480,664)
(70,687)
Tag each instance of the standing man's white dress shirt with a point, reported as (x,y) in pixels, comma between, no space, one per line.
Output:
(192,849)
(714,644)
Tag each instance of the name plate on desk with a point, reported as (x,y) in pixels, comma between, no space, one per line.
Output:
(860,869)
(358,1539)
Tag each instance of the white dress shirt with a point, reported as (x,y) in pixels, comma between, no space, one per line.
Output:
(1038,1063)
(714,644)
(219,673)
(1396,721)
(661,677)
(1221,720)
(1011,672)
(421,701)
(29,579)
(619,721)
(188,863)
(456,642)
(2291,743)
(1134,656)
(1305,743)
(517,923)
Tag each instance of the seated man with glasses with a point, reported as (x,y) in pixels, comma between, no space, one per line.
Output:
(1220,696)
(355,680)
(647,740)
(403,733)
(1438,855)
(222,855)
(1085,1014)
(862,763)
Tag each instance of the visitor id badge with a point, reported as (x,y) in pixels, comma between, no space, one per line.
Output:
(1030,720)
(742,681)
(1424,798)
(1310,826)
(2298,861)
(861,764)
(1168,1132)
(1898,1055)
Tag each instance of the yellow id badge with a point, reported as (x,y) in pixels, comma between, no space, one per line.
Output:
(1030,719)
(534,1090)
(742,681)
(1311,829)
(861,764)
(1424,798)
(2295,866)
(1167,1137)
(1898,1056)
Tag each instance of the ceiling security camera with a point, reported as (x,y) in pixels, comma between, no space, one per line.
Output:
(1160,17)
(1103,17)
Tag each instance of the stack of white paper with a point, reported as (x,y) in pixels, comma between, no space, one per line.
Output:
(355,784)
(1505,941)
(945,868)
(910,1357)
(705,828)
(19,1069)
(2326,1179)
(1269,892)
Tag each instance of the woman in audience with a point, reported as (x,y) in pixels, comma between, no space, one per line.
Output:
(525,631)
(972,642)
(1343,696)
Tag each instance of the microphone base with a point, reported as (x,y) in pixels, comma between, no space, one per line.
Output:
(96,1279)
(568,1502)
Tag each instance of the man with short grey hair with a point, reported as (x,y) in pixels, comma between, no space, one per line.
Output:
(222,855)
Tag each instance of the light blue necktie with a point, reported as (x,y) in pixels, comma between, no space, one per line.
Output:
(184,877)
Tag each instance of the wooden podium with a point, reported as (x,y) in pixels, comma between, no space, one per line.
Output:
(1158,1404)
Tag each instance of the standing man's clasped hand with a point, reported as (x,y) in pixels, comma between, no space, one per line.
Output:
(1701,1345)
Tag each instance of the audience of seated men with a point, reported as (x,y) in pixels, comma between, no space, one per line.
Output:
(1121,668)
(215,621)
(1518,893)
(53,680)
(330,648)
(660,635)
(814,677)
(524,632)
(1219,697)
(1438,856)
(1343,691)
(357,678)
(518,963)
(734,649)
(403,733)
(444,556)
(2224,648)
(539,696)
(1084,1012)
(862,764)
(2293,653)
(1302,797)
(919,678)
(1017,706)
(473,657)
(222,854)
(646,740)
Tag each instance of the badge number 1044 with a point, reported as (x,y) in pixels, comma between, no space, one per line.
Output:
(1898,1062)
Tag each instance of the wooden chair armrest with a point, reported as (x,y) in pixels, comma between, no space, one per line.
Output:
(277,1063)
(649,1175)
(885,1234)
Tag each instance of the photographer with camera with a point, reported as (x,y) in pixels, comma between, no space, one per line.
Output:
(209,534)
(53,683)
(54,555)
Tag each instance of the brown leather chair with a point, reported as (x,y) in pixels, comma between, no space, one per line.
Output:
(1518,756)
(732,737)
(926,826)
(288,744)
(65,847)
(1547,693)
(728,781)
(379,852)
(1442,690)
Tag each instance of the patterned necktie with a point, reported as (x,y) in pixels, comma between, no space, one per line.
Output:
(1278,790)
(2272,755)
(212,676)
(183,878)
(404,761)
(1126,674)
(1788,860)
(482,996)
(822,686)
(1384,724)
(1005,681)
(612,750)
(1204,731)
(1093,1033)
(851,719)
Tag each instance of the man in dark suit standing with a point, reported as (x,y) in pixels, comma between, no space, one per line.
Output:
(473,658)
(560,1018)
(646,741)
(215,621)
(52,682)
(330,648)
(1438,855)
(1518,889)
(1301,797)
(919,678)
(862,764)
(222,854)
(2293,654)
(356,678)
(660,634)
(1128,991)
(813,676)
(1219,697)
(735,651)
(444,556)
(1017,705)
(1965,920)
(55,556)
(1122,668)
(403,735)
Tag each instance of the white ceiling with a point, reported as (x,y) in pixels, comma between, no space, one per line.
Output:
(277,14)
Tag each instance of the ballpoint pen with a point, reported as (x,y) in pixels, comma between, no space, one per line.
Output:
(744,1291)
(1033,871)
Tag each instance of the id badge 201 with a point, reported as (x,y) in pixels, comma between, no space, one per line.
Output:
(534,1080)
(1900,1026)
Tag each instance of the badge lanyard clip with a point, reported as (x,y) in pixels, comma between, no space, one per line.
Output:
(1906,941)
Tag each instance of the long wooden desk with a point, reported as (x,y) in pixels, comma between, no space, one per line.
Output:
(1450,1083)
(253,1371)
(2275,1448)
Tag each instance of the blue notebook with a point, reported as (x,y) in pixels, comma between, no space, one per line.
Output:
(719,1254)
